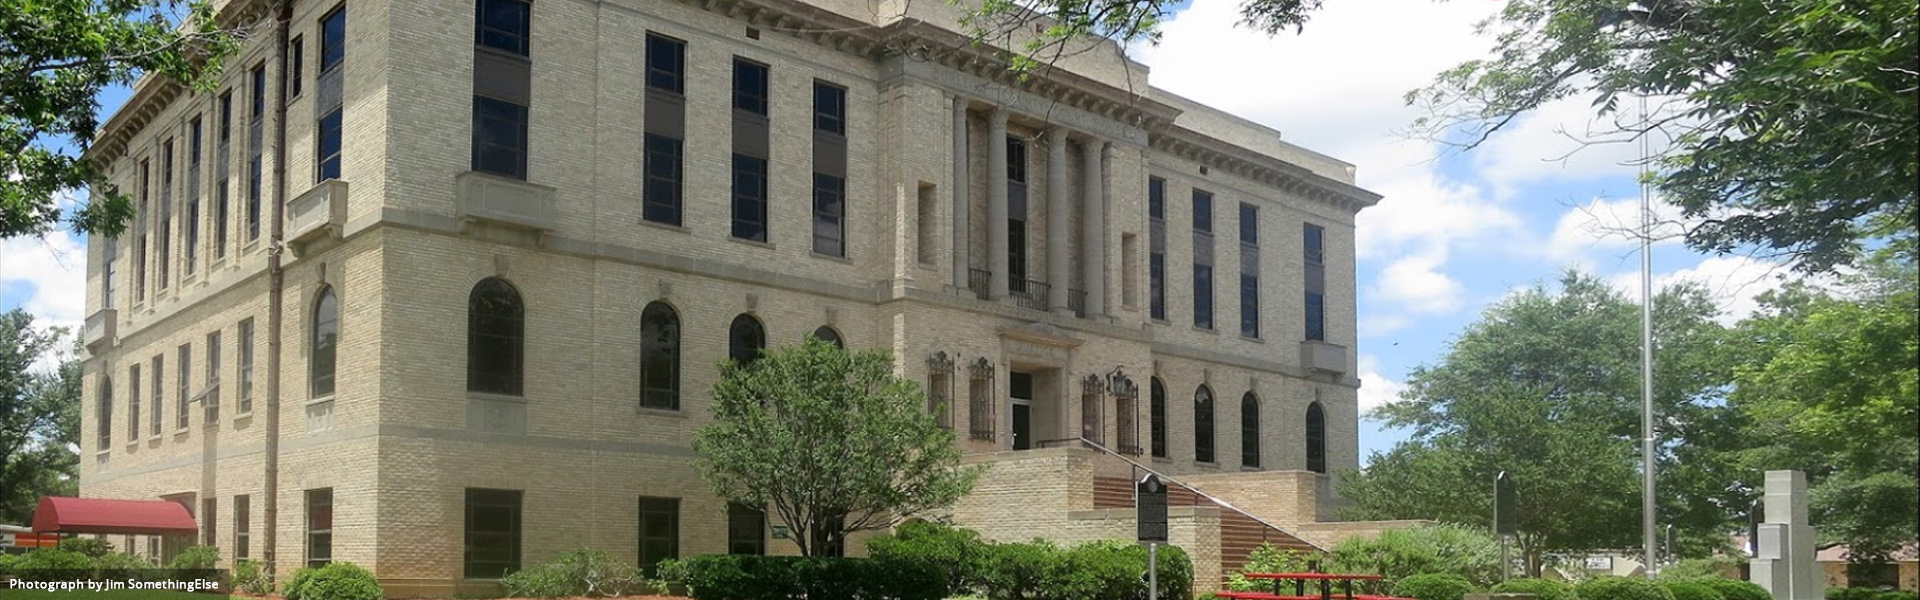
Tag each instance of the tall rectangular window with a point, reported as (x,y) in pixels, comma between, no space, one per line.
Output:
(110,256)
(140,239)
(1202,259)
(296,69)
(242,526)
(319,527)
(1017,215)
(830,169)
(327,152)
(184,393)
(244,383)
(190,226)
(1157,251)
(666,64)
(750,86)
(103,414)
(659,532)
(662,193)
(133,403)
(154,417)
(256,148)
(493,533)
(504,25)
(749,198)
(499,137)
(221,195)
(333,39)
(164,253)
(212,399)
(1313,255)
(746,527)
(1249,270)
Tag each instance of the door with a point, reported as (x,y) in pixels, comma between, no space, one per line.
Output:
(1022,425)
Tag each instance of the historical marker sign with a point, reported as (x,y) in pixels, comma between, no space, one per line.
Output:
(1506,505)
(1150,504)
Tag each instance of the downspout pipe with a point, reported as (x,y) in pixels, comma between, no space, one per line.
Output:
(276,287)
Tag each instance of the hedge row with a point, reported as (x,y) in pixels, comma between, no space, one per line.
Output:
(1039,570)
(743,577)
(1864,593)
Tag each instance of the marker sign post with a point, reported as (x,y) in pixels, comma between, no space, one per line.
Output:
(1505,515)
(1150,512)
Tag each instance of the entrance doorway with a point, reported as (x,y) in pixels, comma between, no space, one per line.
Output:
(1020,388)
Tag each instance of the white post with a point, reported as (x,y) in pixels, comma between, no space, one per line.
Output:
(1153,571)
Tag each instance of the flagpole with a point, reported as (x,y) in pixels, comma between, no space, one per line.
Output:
(1647,505)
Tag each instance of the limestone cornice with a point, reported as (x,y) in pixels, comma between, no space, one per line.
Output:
(1268,170)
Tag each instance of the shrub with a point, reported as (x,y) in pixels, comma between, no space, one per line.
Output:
(250,578)
(198,562)
(92,547)
(1614,587)
(292,589)
(1543,589)
(120,565)
(49,564)
(1691,589)
(1176,572)
(1433,586)
(1472,554)
(1016,570)
(581,572)
(1697,568)
(953,551)
(735,577)
(1268,559)
(1736,589)
(335,581)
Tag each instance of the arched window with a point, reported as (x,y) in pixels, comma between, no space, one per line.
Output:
(496,337)
(745,339)
(659,357)
(325,344)
(1249,430)
(1203,425)
(1316,438)
(826,334)
(1157,418)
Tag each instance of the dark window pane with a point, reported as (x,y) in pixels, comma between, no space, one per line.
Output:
(1157,415)
(296,67)
(495,338)
(1156,198)
(329,151)
(659,532)
(828,335)
(829,108)
(1312,236)
(259,92)
(666,64)
(829,215)
(333,39)
(1316,317)
(499,137)
(746,527)
(750,86)
(492,533)
(1250,306)
(1016,160)
(1203,425)
(1316,438)
(659,357)
(749,198)
(1157,285)
(1249,430)
(1203,296)
(661,196)
(1249,224)
(1202,210)
(319,527)
(504,25)
(745,339)
(326,344)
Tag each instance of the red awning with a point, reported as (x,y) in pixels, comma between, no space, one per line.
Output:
(102,515)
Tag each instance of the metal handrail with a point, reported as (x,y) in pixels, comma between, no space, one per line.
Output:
(1196,491)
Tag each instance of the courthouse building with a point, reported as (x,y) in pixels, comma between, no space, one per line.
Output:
(518,237)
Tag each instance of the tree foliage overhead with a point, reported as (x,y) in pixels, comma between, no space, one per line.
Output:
(1546,387)
(55,58)
(829,439)
(1794,125)
(39,417)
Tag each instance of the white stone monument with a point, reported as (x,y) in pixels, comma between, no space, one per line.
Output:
(1783,561)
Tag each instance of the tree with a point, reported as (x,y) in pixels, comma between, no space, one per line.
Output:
(1829,384)
(1794,123)
(1546,386)
(831,440)
(55,58)
(39,418)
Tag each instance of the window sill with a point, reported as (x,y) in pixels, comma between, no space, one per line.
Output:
(661,412)
(666,226)
(472,395)
(177,433)
(1206,330)
(245,416)
(838,259)
(249,247)
(321,400)
(754,243)
(153,439)
(1205,464)
(1254,339)
(102,454)
(1244,468)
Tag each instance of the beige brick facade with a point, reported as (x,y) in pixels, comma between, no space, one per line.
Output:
(401,438)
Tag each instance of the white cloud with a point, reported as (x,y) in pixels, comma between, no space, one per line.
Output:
(1416,283)
(1612,226)
(1565,140)
(1376,390)
(54,269)
(1735,282)
(1373,326)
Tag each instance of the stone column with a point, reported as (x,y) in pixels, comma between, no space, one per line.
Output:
(962,201)
(1059,211)
(997,203)
(1093,226)
(1784,561)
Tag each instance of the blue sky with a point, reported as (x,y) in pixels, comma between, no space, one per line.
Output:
(1454,234)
